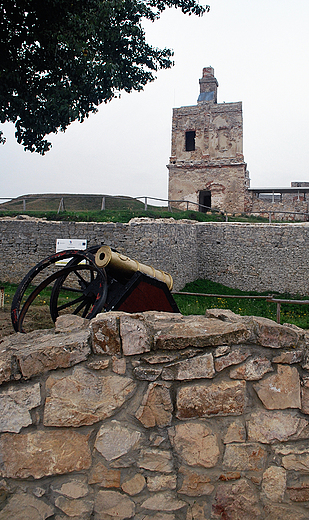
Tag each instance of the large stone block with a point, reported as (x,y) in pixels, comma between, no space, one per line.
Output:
(156,408)
(207,400)
(39,352)
(281,390)
(114,440)
(199,332)
(245,457)
(112,504)
(105,334)
(274,483)
(194,484)
(163,502)
(41,453)
(268,333)
(195,443)
(237,501)
(252,370)
(15,406)
(270,427)
(84,397)
(23,506)
(199,367)
(156,460)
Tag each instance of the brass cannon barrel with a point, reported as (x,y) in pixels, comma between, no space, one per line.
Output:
(125,265)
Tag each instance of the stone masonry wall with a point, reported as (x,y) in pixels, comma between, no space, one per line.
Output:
(155,417)
(258,257)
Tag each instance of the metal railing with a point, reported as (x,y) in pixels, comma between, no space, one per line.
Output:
(268,298)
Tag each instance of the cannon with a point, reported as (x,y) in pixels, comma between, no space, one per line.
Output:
(98,279)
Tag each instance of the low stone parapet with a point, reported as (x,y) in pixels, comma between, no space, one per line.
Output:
(155,416)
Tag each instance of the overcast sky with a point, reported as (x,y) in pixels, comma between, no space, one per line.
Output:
(260,52)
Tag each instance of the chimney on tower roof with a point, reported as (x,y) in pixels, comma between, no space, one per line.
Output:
(208,86)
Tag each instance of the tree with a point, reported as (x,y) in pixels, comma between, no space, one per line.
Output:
(60,59)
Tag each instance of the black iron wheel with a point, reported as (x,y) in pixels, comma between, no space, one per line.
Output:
(84,281)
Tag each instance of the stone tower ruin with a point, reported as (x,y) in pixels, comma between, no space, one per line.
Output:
(207,164)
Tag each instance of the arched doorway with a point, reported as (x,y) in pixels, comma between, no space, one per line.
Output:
(204,200)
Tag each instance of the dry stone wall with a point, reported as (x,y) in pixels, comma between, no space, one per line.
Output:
(259,257)
(155,416)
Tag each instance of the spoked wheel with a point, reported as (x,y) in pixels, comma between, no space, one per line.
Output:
(82,290)
(84,281)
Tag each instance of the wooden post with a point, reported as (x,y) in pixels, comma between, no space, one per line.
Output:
(24,204)
(278,312)
(103,204)
(269,218)
(146,204)
(61,206)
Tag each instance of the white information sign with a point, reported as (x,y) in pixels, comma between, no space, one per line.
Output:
(63,244)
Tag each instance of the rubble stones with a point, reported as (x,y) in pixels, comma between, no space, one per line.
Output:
(195,432)
(36,353)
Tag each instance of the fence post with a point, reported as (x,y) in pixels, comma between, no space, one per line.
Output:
(146,206)
(278,312)
(61,206)
(269,218)
(24,204)
(187,205)
(103,204)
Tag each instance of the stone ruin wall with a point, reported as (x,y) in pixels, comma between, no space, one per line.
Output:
(290,203)
(216,164)
(251,257)
(155,416)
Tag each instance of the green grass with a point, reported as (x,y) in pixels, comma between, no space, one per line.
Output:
(125,215)
(87,208)
(297,314)
(41,299)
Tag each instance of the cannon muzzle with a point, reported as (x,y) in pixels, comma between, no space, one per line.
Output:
(126,267)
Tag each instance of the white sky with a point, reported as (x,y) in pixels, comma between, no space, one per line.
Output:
(260,52)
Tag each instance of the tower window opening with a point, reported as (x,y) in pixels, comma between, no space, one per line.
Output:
(190,140)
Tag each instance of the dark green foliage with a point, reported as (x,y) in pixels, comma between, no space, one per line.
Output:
(60,59)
